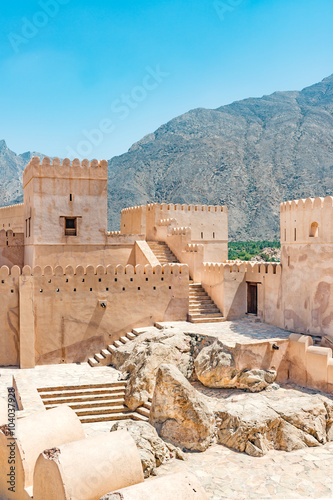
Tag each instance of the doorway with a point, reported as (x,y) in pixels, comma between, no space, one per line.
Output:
(252,298)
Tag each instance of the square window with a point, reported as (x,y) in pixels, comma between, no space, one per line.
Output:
(70,226)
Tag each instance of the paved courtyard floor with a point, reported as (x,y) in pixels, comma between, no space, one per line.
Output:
(224,473)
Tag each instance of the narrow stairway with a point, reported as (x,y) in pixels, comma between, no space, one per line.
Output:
(202,309)
(95,402)
(163,252)
(104,357)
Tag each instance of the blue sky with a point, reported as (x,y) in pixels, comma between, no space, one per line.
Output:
(89,78)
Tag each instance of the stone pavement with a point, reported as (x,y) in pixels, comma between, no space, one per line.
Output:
(243,331)
(224,473)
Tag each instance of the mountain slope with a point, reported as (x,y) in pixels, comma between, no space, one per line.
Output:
(11,170)
(249,155)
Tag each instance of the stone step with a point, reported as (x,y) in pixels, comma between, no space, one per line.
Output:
(131,336)
(203,310)
(99,357)
(124,340)
(137,416)
(117,343)
(79,392)
(110,385)
(143,411)
(84,399)
(106,417)
(207,320)
(93,362)
(102,410)
(199,302)
(215,314)
(91,404)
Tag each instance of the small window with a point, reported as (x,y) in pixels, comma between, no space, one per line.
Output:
(213,236)
(70,226)
(70,197)
(295,234)
(285,235)
(314,230)
(202,236)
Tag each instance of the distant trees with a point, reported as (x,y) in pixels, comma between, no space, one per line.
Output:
(245,250)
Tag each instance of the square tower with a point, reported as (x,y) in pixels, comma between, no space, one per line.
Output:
(65,209)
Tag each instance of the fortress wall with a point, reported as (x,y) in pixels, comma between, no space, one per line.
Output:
(299,219)
(208,223)
(307,284)
(268,277)
(12,217)
(133,220)
(63,255)
(71,303)
(55,191)
(9,316)
(11,248)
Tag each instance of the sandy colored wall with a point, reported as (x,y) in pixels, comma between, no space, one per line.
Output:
(12,217)
(71,304)
(307,263)
(208,223)
(74,255)
(11,248)
(133,220)
(47,188)
(9,316)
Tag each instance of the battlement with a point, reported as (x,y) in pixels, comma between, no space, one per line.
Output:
(307,221)
(65,169)
(194,248)
(112,270)
(186,208)
(242,267)
(166,222)
(176,231)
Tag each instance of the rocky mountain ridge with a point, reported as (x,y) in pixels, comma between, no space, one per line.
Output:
(249,155)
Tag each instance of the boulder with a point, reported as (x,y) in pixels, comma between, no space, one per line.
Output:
(282,420)
(140,361)
(152,449)
(179,412)
(215,367)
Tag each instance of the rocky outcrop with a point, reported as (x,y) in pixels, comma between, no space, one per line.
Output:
(249,155)
(153,450)
(139,361)
(215,367)
(179,412)
(281,420)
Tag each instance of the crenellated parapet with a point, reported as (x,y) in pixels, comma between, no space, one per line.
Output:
(170,207)
(66,169)
(307,221)
(180,231)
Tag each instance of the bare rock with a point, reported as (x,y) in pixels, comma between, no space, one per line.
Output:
(141,360)
(215,367)
(179,412)
(153,450)
(282,420)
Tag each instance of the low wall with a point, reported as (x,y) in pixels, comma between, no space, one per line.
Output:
(102,464)
(310,366)
(88,308)
(34,434)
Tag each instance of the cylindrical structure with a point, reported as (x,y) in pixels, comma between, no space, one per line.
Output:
(88,469)
(33,435)
(174,486)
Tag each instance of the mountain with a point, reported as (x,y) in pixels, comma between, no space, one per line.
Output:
(11,170)
(250,155)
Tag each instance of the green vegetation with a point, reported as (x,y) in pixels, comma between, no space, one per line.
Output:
(245,250)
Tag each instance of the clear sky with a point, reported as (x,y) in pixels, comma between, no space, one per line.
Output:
(89,78)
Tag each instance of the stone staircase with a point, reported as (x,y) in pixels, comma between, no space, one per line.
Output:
(162,252)
(95,402)
(104,357)
(202,309)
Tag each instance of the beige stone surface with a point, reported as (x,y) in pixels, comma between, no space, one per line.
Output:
(153,450)
(88,469)
(179,413)
(175,486)
(269,421)
(215,366)
(33,434)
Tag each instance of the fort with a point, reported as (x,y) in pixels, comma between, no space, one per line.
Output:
(73,292)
